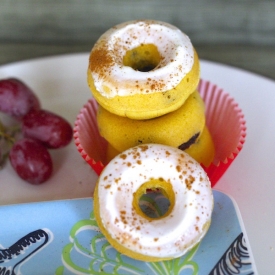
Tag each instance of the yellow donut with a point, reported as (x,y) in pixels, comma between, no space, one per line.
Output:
(203,150)
(111,152)
(143,69)
(173,129)
(131,231)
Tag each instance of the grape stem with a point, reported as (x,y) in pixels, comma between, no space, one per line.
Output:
(7,139)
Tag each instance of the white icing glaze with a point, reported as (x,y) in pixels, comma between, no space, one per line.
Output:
(170,236)
(173,45)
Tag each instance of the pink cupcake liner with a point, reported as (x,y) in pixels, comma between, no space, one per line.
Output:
(91,146)
(226,123)
(224,120)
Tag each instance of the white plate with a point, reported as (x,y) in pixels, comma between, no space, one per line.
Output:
(60,83)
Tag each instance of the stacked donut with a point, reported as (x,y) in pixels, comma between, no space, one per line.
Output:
(178,177)
(144,75)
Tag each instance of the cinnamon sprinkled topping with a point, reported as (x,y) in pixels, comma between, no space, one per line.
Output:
(189,181)
(123,156)
(100,60)
(144,148)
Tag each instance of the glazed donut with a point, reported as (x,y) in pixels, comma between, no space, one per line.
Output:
(181,127)
(127,177)
(143,69)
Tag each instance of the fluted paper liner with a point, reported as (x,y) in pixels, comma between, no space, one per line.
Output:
(227,126)
(224,119)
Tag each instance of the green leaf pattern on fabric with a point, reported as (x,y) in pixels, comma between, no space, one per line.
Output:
(104,259)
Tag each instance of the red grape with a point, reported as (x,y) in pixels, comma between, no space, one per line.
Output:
(52,130)
(31,160)
(16,98)
(39,128)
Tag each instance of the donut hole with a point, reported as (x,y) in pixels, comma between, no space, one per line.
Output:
(154,204)
(154,199)
(143,58)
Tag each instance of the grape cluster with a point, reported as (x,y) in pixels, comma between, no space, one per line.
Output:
(38,130)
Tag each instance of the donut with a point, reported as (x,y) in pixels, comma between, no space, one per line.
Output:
(181,127)
(143,69)
(131,231)
(203,150)
(111,152)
